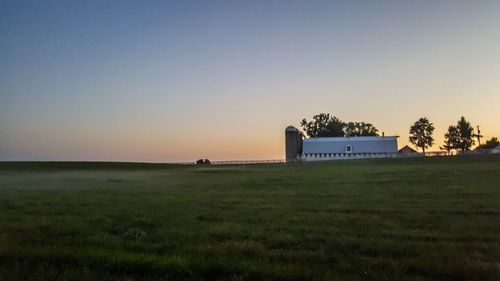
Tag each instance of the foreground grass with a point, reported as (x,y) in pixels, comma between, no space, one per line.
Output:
(396,219)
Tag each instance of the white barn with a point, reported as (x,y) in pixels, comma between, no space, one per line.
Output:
(315,149)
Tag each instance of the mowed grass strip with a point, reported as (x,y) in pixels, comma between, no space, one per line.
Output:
(391,219)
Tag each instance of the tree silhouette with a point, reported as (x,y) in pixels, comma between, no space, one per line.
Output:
(466,132)
(421,133)
(461,136)
(489,144)
(323,125)
(326,125)
(451,139)
(360,129)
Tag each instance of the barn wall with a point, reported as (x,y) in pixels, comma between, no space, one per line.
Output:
(358,145)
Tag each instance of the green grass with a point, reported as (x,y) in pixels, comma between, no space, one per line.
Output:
(392,219)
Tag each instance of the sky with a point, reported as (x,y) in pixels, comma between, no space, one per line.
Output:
(169,81)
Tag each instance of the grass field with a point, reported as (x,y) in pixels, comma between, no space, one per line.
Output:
(392,219)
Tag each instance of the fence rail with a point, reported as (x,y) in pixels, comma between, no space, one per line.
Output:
(248,162)
(301,158)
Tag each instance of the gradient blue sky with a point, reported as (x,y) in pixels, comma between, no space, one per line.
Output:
(177,81)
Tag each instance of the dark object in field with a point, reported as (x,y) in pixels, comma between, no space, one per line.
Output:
(203,162)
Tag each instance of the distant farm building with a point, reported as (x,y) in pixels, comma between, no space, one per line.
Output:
(336,148)
(496,150)
(406,150)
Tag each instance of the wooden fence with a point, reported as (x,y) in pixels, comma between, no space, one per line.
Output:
(389,155)
(248,162)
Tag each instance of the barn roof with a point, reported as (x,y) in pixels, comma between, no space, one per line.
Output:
(407,148)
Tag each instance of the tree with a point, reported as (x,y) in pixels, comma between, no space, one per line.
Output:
(421,133)
(461,136)
(451,139)
(323,125)
(359,129)
(326,125)
(466,132)
(335,128)
(490,144)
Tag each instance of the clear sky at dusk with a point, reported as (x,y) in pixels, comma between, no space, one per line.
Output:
(181,80)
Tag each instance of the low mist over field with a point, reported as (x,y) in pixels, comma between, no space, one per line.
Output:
(392,219)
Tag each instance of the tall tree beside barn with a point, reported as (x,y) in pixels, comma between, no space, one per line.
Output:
(323,125)
(360,129)
(421,133)
(326,125)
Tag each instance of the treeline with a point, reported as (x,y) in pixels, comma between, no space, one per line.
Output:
(460,137)
(326,125)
